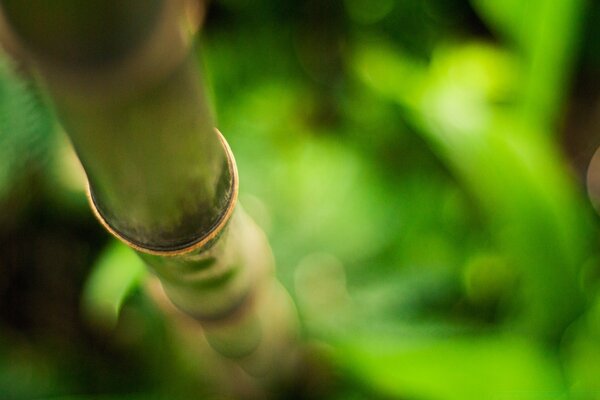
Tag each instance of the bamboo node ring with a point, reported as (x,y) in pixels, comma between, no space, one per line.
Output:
(205,239)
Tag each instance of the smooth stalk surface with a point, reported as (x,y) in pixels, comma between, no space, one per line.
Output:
(129,96)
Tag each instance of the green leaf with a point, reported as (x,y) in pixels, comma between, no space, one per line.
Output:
(580,349)
(454,368)
(114,276)
(546,33)
(25,127)
(462,107)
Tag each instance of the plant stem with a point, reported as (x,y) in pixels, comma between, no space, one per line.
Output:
(161,178)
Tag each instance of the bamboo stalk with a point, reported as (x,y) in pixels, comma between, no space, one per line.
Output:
(139,121)
(161,178)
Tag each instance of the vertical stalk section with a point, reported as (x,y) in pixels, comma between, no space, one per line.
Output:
(127,92)
(161,178)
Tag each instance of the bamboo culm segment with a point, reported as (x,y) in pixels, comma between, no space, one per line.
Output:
(161,178)
(231,290)
(138,117)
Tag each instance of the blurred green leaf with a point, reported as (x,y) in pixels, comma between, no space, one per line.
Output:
(454,368)
(546,33)
(27,372)
(508,17)
(580,349)
(116,273)
(25,127)
(462,106)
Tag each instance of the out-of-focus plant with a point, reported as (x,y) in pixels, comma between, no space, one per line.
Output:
(546,35)
(462,105)
(25,131)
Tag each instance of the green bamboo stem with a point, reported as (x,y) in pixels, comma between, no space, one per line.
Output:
(231,290)
(161,178)
(138,119)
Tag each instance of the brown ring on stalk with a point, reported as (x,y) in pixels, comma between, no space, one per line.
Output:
(208,237)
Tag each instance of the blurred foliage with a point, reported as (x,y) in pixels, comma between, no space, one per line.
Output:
(545,34)
(407,161)
(25,130)
(115,274)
